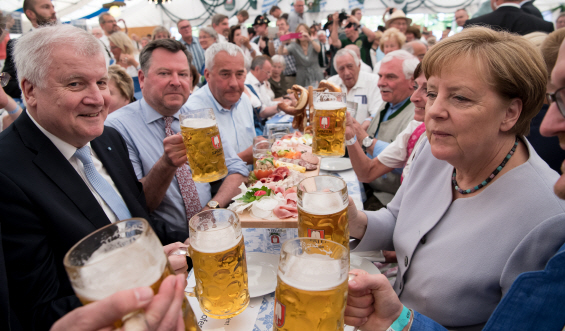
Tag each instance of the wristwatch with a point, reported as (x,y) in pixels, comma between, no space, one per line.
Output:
(213,204)
(351,141)
(367,142)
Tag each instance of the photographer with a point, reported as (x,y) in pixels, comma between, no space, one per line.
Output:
(353,36)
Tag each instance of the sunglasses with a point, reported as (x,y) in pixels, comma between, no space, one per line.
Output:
(557,97)
(351,25)
(4,79)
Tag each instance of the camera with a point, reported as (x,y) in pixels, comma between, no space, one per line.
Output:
(342,17)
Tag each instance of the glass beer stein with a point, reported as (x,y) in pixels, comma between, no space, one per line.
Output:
(322,209)
(120,256)
(203,145)
(220,268)
(311,286)
(329,124)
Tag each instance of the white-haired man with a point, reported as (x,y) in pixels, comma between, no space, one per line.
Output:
(359,85)
(258,78)
(63,173)
(297,16)
(396,83)
(416,48)
(151,129)
(225,73)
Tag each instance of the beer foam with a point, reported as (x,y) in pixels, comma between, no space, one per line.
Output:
(214,241)
(134,264)
(322,203)
(198,123)
(330,105)
(313,272)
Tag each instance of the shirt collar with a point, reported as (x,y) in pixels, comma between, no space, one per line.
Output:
(251,79)
(65,148)
(151,115)
(215,102)
(509,4)
(398,105)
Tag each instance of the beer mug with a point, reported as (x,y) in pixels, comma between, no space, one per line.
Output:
(329,124)
(312,281)
(120,256)
(220,268)
(322,209)
(203,145)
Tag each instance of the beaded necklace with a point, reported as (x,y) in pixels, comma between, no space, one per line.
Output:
(486,181)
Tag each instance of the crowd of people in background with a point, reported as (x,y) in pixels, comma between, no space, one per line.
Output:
(449,135)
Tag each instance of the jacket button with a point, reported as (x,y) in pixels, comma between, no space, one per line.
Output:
(423,240)
(406,261)
(400,286)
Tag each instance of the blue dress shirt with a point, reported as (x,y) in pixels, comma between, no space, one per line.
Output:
(381,145)
(143,129)
(197,52)
(534,302)
(236,124)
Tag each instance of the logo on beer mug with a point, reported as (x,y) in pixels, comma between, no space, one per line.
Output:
(316,234)
(275,239)
(324,122)
(216,141)
(280,310)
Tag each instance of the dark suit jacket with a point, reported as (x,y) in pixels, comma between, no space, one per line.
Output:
(13,88)
(47,208)
(511,19)
(529,8)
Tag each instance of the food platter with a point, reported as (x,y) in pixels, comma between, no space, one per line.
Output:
(249,221)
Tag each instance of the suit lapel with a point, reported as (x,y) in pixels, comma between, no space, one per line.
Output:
(50,160)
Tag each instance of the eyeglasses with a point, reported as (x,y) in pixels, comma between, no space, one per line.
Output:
(267,72)
(557,97)
(4,79)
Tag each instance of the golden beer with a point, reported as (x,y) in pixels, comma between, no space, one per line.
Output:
(204,149)
(221,281)
(120,256)
(220,267)
(322,209)
(329,124)
(311,291)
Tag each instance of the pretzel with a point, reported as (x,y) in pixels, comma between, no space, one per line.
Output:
(301,95)
(331,87)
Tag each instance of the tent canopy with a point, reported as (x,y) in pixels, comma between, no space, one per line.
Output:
(146,13)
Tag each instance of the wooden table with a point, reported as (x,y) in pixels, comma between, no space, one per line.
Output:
(248,221)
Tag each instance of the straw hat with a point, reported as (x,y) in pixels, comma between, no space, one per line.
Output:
(396,15)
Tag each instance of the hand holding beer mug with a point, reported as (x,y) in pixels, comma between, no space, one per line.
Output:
(322,209)
(261,148)
(329,124)
(220,269)
(311,286)
(120,256)
(203,145)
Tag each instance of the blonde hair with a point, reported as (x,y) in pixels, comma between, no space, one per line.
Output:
(550,48)
(123,81)
(508,63)
(121,40)
(536,38)
(158,30)
(297,40)
(392,34)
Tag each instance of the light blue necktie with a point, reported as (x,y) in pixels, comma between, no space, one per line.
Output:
(104,189)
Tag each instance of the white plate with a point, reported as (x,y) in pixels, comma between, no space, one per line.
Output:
(262,273)
(335,164)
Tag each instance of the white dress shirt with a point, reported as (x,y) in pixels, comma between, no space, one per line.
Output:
(396,155)
(266,95)
(68,152)
(365,92)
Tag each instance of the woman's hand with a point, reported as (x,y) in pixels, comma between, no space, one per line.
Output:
(177,262)
(306,36)
(372,304)
(245,42)
(357,221)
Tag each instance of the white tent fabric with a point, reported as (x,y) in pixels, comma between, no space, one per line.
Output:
(145,13)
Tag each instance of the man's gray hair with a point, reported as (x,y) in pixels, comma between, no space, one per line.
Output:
(33,50)
(343,52)
(101,19)
(410,49)
(278,59)
(409,61)
(212,51)
(218,18)
(211,32)
(259,61)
